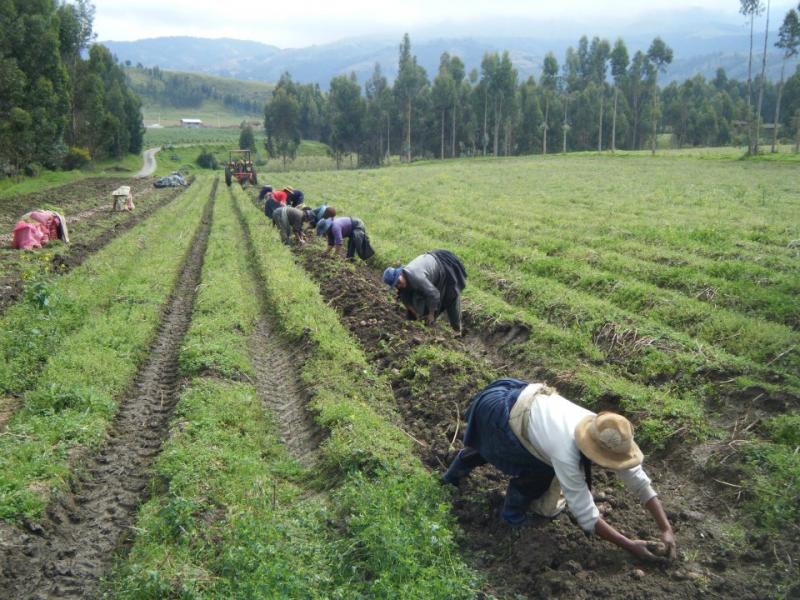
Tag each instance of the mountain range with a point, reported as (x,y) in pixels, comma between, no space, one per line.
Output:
(700,46)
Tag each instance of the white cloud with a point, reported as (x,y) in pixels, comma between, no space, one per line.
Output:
(299,24)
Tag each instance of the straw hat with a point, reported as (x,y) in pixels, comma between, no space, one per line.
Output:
(607,439)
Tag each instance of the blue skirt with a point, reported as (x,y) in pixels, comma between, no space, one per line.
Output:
(489,433)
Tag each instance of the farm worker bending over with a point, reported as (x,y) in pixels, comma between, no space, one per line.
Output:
(274,200)
(289,220)
(338,228)
(294,198)
(548,444)
(430,285)
(315,215)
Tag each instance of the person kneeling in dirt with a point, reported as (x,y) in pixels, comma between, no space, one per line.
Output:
(548,444)
(338,228)
(289,220)
(429,285)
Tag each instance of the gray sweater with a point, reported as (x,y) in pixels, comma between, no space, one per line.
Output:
(425,275)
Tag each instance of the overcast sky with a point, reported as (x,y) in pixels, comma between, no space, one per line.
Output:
(307,22)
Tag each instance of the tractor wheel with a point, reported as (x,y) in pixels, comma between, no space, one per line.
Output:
(227,177)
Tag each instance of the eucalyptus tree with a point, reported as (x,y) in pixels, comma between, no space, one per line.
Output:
(282,125)
(761,85)
(444,92)
(548,83)
(530,117)
(619,70)
(457,73)
(378,117)
(347,110)
(788,41)
(659,55)
(504,102)
(750,9)
(410,80)
(489,66)
(599,55)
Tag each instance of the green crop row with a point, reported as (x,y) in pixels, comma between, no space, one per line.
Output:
(368,521)
(73,346)
(233,522)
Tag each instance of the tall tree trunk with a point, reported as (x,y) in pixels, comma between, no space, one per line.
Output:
(761,86)
(600,128)
(408,130)
(485,119)
(778,111)
(388,140)
(453,134)
(614,122)
(655,114)
(496,144)
(544,129)
(749,89)
(636,117)
(441,151)
(564,143)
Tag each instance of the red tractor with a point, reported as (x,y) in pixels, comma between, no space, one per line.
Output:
(240,167)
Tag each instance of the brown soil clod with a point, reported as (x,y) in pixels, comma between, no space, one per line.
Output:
(76,539)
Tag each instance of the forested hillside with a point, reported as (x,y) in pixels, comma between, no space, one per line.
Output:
(63,99)
(190,90)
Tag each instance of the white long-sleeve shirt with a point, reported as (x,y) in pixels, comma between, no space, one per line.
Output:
(550,428)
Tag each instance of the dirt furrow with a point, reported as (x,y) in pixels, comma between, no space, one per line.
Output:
(275,364)
(65,555)
(543,559)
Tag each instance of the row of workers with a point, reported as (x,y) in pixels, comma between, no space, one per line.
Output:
(546,443)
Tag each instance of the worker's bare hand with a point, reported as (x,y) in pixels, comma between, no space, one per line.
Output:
(639,549)
(430,320)
(671,548)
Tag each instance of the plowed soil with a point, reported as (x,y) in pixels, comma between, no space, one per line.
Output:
(92,223)
(550,559)
(65,554)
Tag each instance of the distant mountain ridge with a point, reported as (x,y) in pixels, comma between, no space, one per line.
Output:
(697,53)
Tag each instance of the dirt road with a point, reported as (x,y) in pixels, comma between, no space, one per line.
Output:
(149,166)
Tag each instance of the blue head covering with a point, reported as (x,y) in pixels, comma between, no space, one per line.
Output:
(323,226)
(391,275)
(318,212)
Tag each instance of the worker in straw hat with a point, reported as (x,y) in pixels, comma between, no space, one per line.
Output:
(548,445)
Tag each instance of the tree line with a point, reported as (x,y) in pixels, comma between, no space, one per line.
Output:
(598,98)
(63,99)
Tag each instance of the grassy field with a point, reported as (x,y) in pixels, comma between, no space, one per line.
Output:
(667,286)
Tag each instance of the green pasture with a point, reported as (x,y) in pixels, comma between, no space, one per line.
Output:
(667,285)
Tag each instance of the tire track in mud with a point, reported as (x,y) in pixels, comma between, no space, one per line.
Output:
(280,392)
(275,364)
(65,555)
